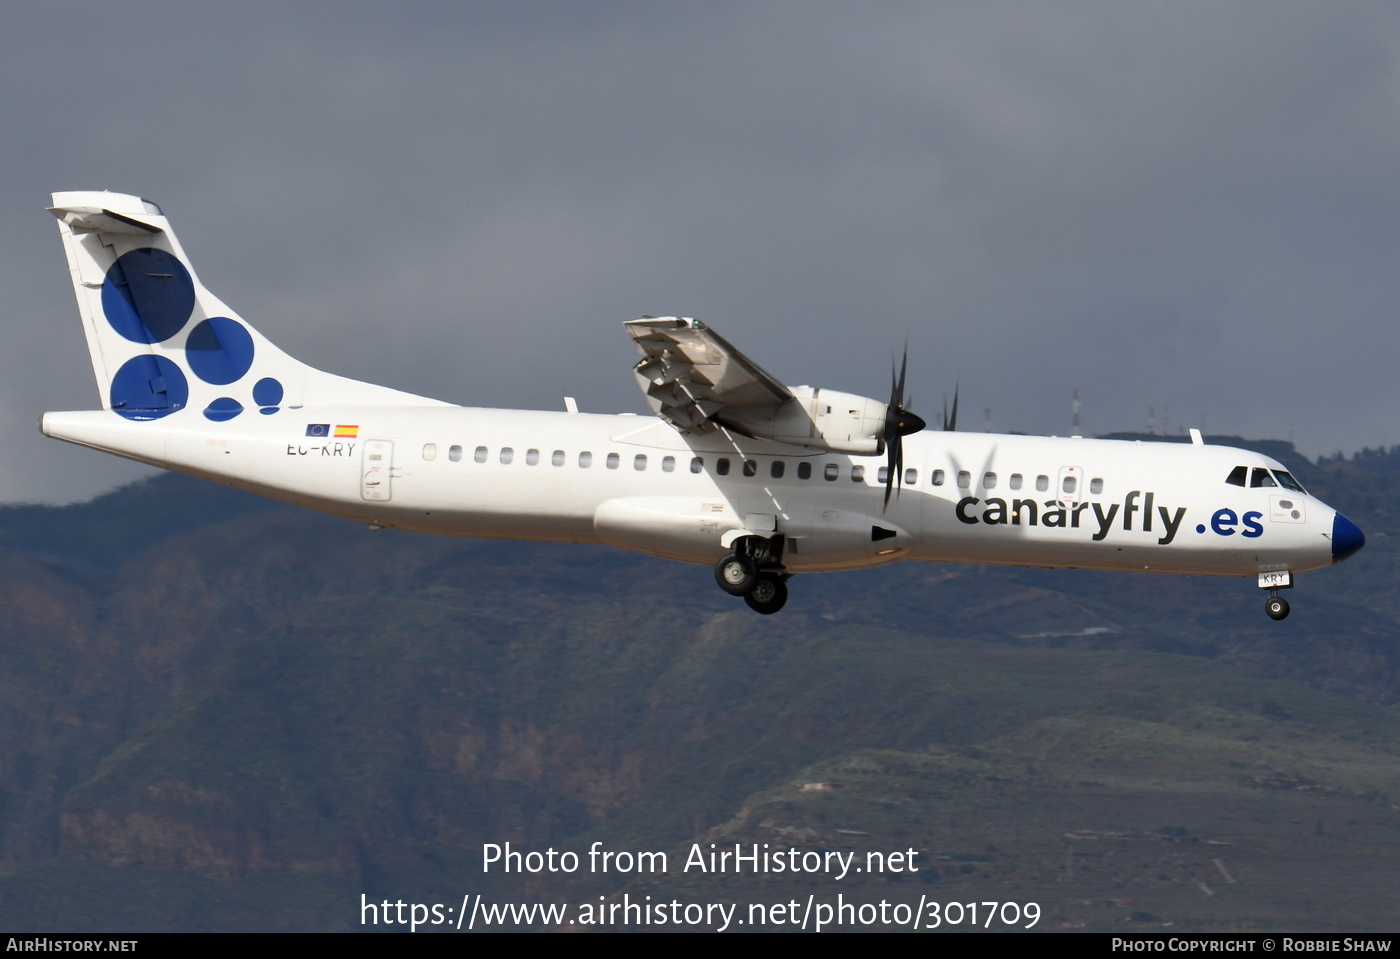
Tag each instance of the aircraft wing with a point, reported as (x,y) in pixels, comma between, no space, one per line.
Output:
(694,380)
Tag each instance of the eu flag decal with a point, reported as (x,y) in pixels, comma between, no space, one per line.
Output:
(318,429)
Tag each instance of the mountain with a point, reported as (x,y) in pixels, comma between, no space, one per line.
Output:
(217,712)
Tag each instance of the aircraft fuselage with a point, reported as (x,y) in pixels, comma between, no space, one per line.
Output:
(635,482)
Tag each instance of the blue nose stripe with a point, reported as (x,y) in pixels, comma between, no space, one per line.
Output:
(1347,538)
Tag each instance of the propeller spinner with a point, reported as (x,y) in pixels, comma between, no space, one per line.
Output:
(899,423)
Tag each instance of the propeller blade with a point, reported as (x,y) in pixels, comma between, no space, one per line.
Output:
(951,424)
(899,423)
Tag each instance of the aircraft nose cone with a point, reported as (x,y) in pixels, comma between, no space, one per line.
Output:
(1347,538)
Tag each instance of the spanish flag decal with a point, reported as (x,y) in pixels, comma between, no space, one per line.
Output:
(346,432)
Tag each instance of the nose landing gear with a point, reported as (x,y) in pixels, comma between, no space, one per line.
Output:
(755,571)
(1274,580)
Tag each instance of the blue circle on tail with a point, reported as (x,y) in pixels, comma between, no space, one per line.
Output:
(224,408)
(147,295)
(267,392)
(148,387)
(219,350)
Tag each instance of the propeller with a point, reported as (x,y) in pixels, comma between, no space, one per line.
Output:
(899,423)
(951,423)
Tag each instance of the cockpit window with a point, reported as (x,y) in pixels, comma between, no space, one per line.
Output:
(1237,476)
(1261,477)
(1286,480)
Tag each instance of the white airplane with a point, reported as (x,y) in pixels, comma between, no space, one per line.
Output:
(737,470)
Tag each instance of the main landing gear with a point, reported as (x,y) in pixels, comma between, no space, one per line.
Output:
(755,571)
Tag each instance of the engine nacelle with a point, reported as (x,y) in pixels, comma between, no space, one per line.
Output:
(817,419)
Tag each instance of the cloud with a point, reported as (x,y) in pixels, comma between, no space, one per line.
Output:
(1181,204)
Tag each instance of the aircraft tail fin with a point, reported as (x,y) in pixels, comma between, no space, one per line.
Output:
(161,343)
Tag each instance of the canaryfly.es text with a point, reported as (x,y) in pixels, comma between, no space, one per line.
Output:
(1138,509)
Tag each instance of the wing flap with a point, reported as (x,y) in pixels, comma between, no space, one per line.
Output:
(691,376)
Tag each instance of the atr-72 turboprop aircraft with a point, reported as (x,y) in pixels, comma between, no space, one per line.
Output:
(737,470)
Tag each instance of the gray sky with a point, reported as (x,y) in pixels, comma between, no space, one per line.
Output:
(1193,205)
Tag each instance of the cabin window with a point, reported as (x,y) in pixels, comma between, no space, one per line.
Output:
(507,455)
(429,451)
(911,477)
(613,461)
(1016,480)
(722,466)
(804,470)
(454,453)
(668,464)
(1287,481)
(831,471)
(858,474)
(697,465)
(1096,485)
(480,454)
(882,475)
(1237,476)
(938,477)
(639,462)
(776,470)
(1042,482)
(557,458)
(585,459)
(532,457)
(989,481)
(964,479)
(1070,484)
(750,468)
(1261,477)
